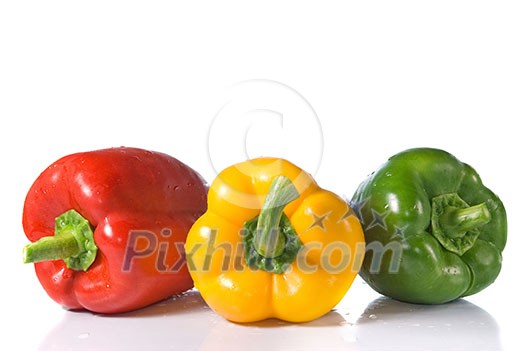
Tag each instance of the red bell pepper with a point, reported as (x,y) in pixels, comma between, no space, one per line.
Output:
(108,228)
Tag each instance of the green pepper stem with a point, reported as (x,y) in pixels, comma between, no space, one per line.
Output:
(457,221)
(51,248)
(269,241)
(73,242)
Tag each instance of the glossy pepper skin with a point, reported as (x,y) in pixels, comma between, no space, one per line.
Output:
(319,267)
(139,205)
(434,232)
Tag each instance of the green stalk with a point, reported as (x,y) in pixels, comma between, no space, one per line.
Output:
(73,242)
(457,221)
(270,241)
(51,248)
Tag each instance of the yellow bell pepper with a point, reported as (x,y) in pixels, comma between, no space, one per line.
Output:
(273,244)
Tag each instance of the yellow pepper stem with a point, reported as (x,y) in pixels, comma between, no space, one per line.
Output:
(270,241)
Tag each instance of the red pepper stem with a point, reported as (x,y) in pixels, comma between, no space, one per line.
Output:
(51,248)
(269,241)
(73,242)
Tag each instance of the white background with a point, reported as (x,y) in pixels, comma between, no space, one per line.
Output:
(379,76)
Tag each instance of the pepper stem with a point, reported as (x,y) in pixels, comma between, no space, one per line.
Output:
(51,248)
(73,242)
(455,223)
(269,241)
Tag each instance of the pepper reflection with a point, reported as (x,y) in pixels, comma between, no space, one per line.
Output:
(457,325)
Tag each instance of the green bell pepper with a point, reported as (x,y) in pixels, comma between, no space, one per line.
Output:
(434,232)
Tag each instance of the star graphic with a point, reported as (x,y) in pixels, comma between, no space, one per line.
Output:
(358,207)
(378,219)
(349,213)
(319,220)
(399,233)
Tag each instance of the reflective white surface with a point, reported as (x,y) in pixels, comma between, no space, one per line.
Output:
(364,320)
(459,325)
